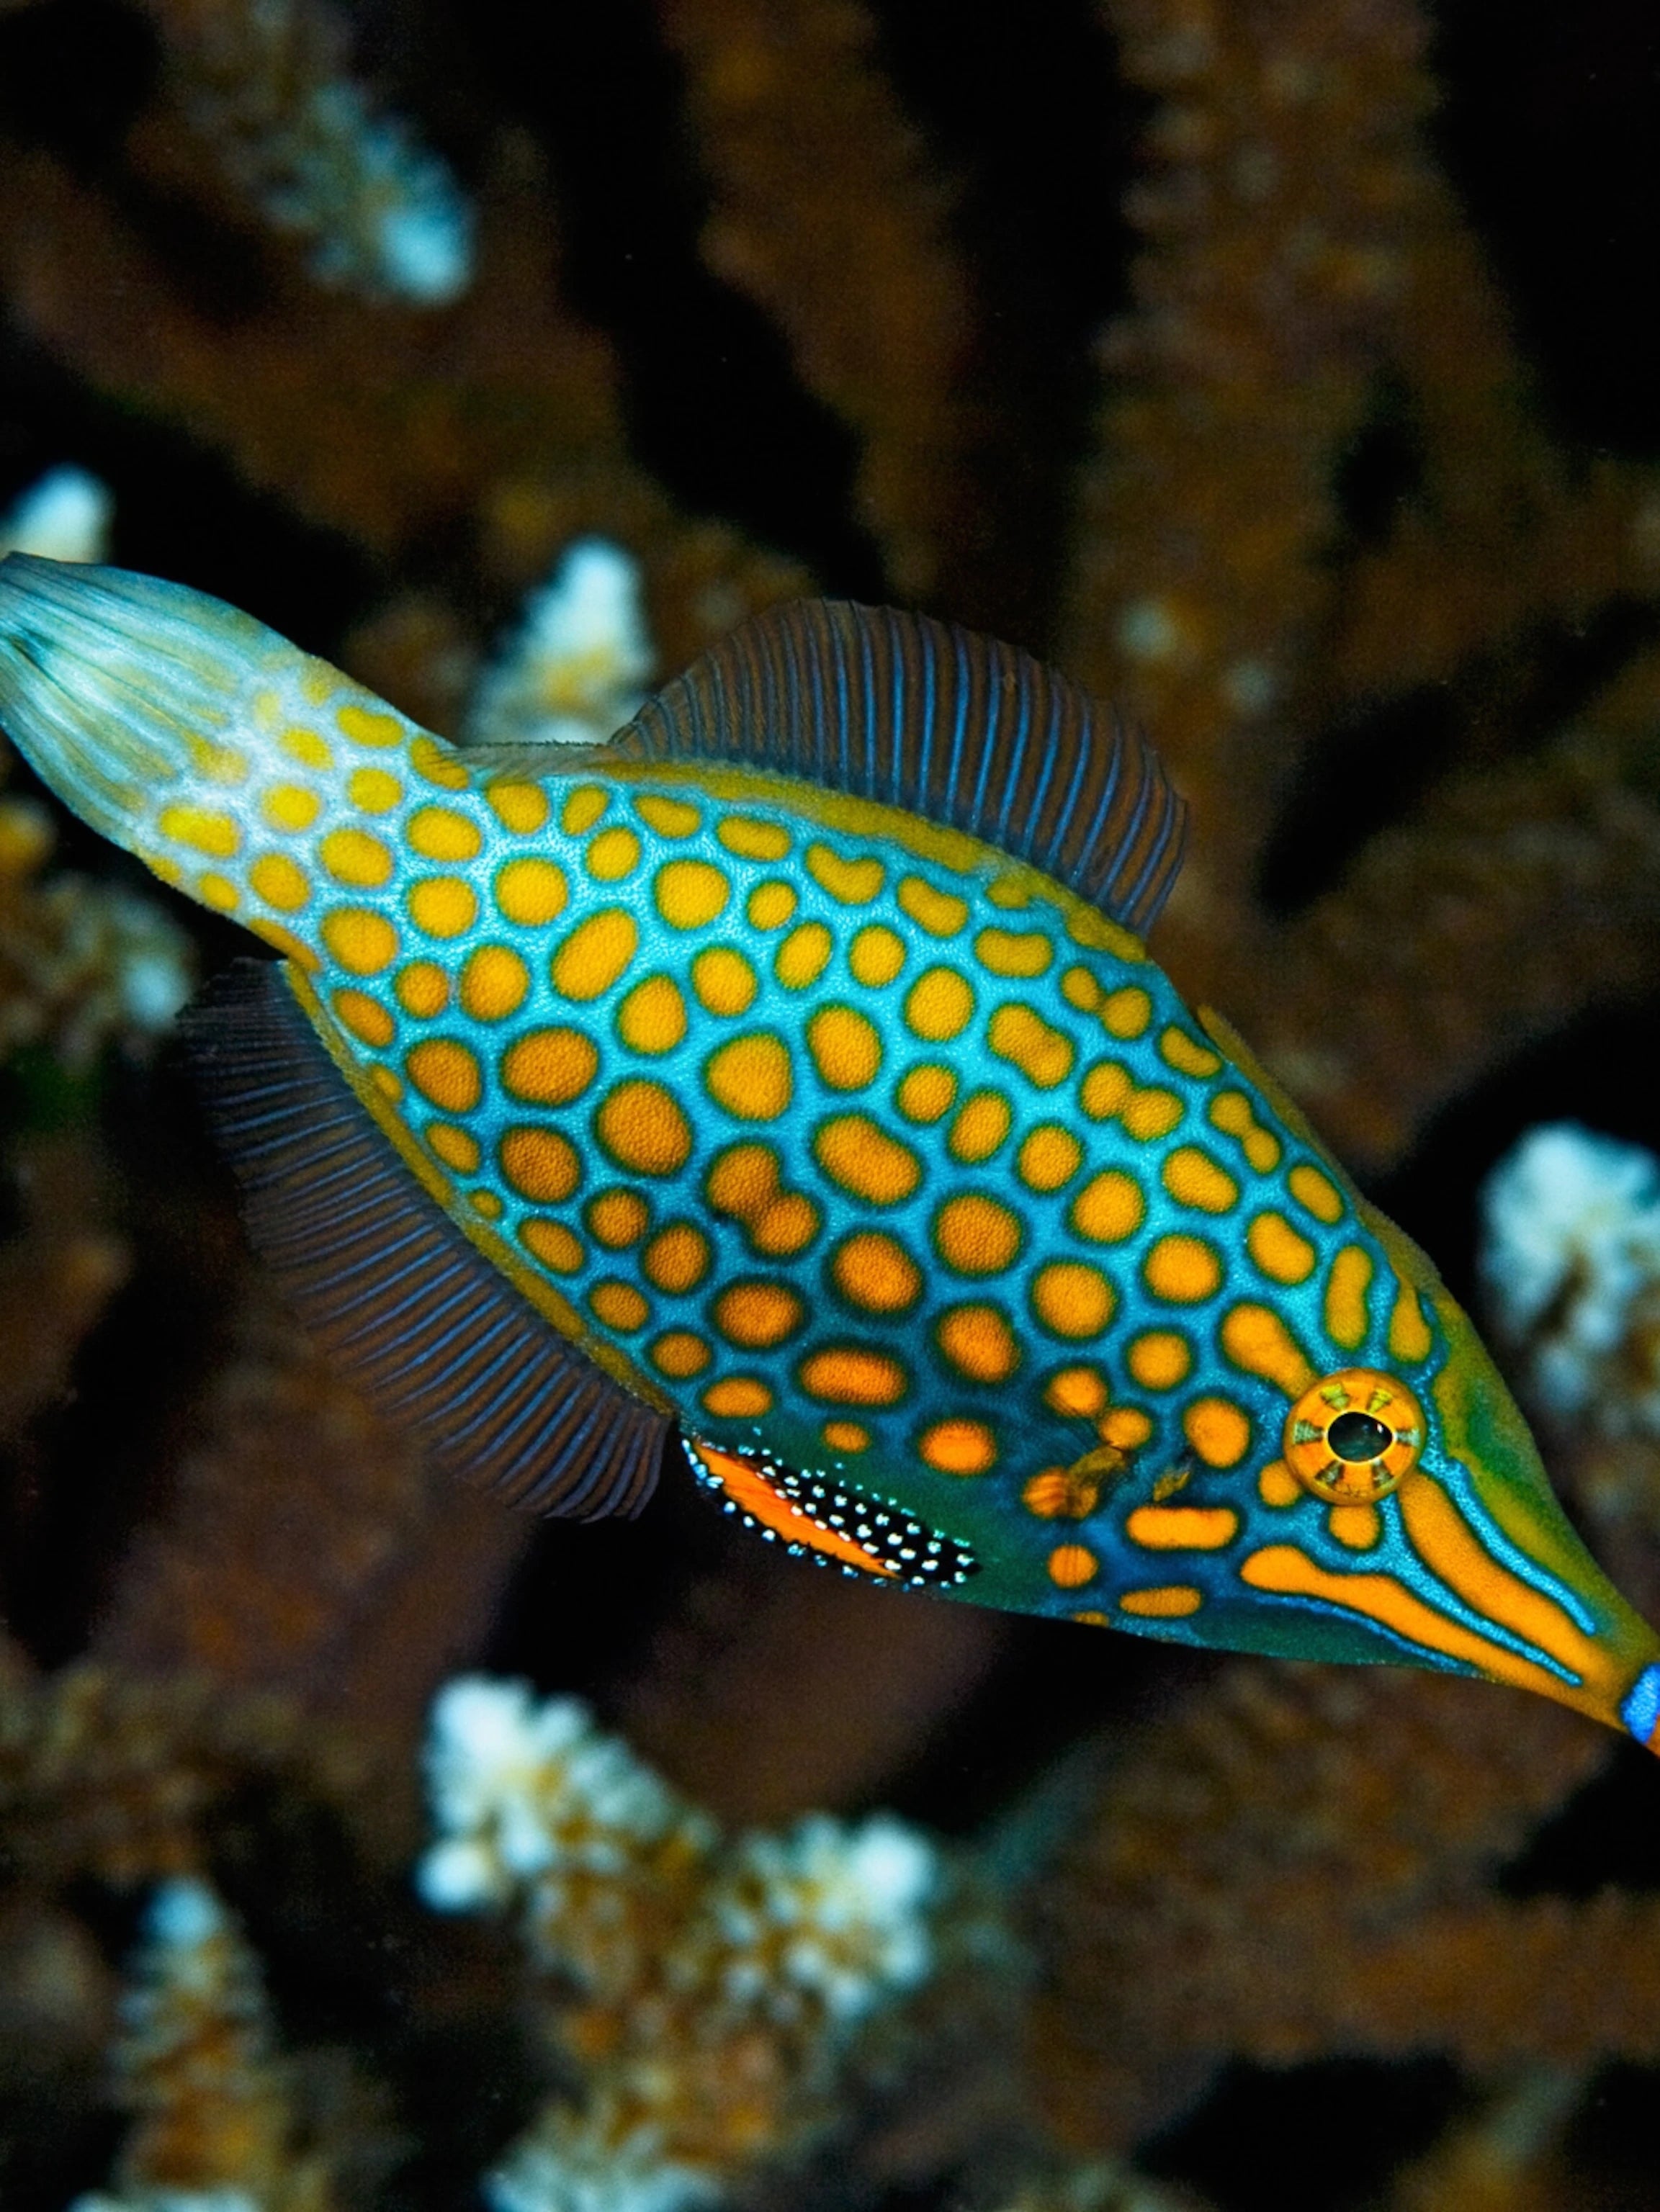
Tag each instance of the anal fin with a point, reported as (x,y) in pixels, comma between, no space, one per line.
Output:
(437,1337)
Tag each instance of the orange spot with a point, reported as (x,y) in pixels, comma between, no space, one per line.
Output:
(874,1272)
(1071,1299)
(1311,1189)
(442,906)
(447,1074)
(980,1127)
(1080,1391)
(361,940)
(618,1217)
(582,809)
(788,1225)
(1409,1332)
(531,892)
(1278,1250)
(1050,1156)
(594,955)
(1072,1566)
(352,856)
(1183,1269)
(975,1235)
(926,1094)
(1044,1055)
(553,1244)
(618,1305)
(845,1047)
(757,1315)
(434,762)
(724,981)
(677,1259)
(855,883)
(849,1375)
(938,1006)
(364,725)
(959,1447)
(1277,1486)
(1186,1055)
(643,1127)
(1218,1431)
(1193,1178)
(770,905)
(803,956)
(457,1148)
(1109,1208)
(549,1067)
(613,854)
(1160,1359)
(1165,1601)
(875,956)
(219,835)
(366,1018)
(1105,1089)
(540,1164)
(680,1355)
(936,911)
(669,817)
(743,1181)
(277,881)
(1060,1493)
(978,1342)
(521,807)
(1182,1528)
(751,1076)
(1015,952)
(1346,1319)
(1127,1013)
(689,894)
(861,1157)
(439,833)
(1230,1112)
(372,791)
(1125,1428)
(751,839)
(424,989)
(652,1016)
(1150,1113)
(738,1398)
(494,983)
(846,1436)
(1255,1338)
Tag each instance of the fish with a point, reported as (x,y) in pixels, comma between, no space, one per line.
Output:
(783,1090)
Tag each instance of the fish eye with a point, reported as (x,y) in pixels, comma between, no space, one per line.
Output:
(1354,1436)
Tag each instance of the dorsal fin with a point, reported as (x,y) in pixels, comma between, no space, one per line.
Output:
(920,714)
(438,1337)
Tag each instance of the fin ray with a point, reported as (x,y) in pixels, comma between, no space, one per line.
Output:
(909,712)
(436,1336)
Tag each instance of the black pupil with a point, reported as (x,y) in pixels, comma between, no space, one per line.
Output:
(1359,1435)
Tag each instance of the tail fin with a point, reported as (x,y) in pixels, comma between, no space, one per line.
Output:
(222,757)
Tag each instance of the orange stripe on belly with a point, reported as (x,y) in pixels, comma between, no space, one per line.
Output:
(747,1486)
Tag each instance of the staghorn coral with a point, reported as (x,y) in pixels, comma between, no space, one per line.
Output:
(212,2131)
(261,83)
(575,672)
(824,212)
(719,1981)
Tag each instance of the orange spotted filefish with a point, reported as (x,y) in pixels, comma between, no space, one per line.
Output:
(789,1073)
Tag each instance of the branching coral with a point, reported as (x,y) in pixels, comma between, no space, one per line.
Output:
(719,1981)
(575,671)
(212,2131)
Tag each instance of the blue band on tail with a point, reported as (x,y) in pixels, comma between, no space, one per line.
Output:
(1642,1707)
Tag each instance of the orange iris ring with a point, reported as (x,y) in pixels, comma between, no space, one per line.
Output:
(1361,1465)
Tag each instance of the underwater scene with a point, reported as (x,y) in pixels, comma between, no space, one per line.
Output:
(829,1200)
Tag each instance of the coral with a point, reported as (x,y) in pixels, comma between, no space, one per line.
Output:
(720,1980)
(262,83)
(64,515)
(824,212)
(195,2066)
(575,671)
(82,964)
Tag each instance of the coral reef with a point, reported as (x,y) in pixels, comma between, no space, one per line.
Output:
(509,362)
